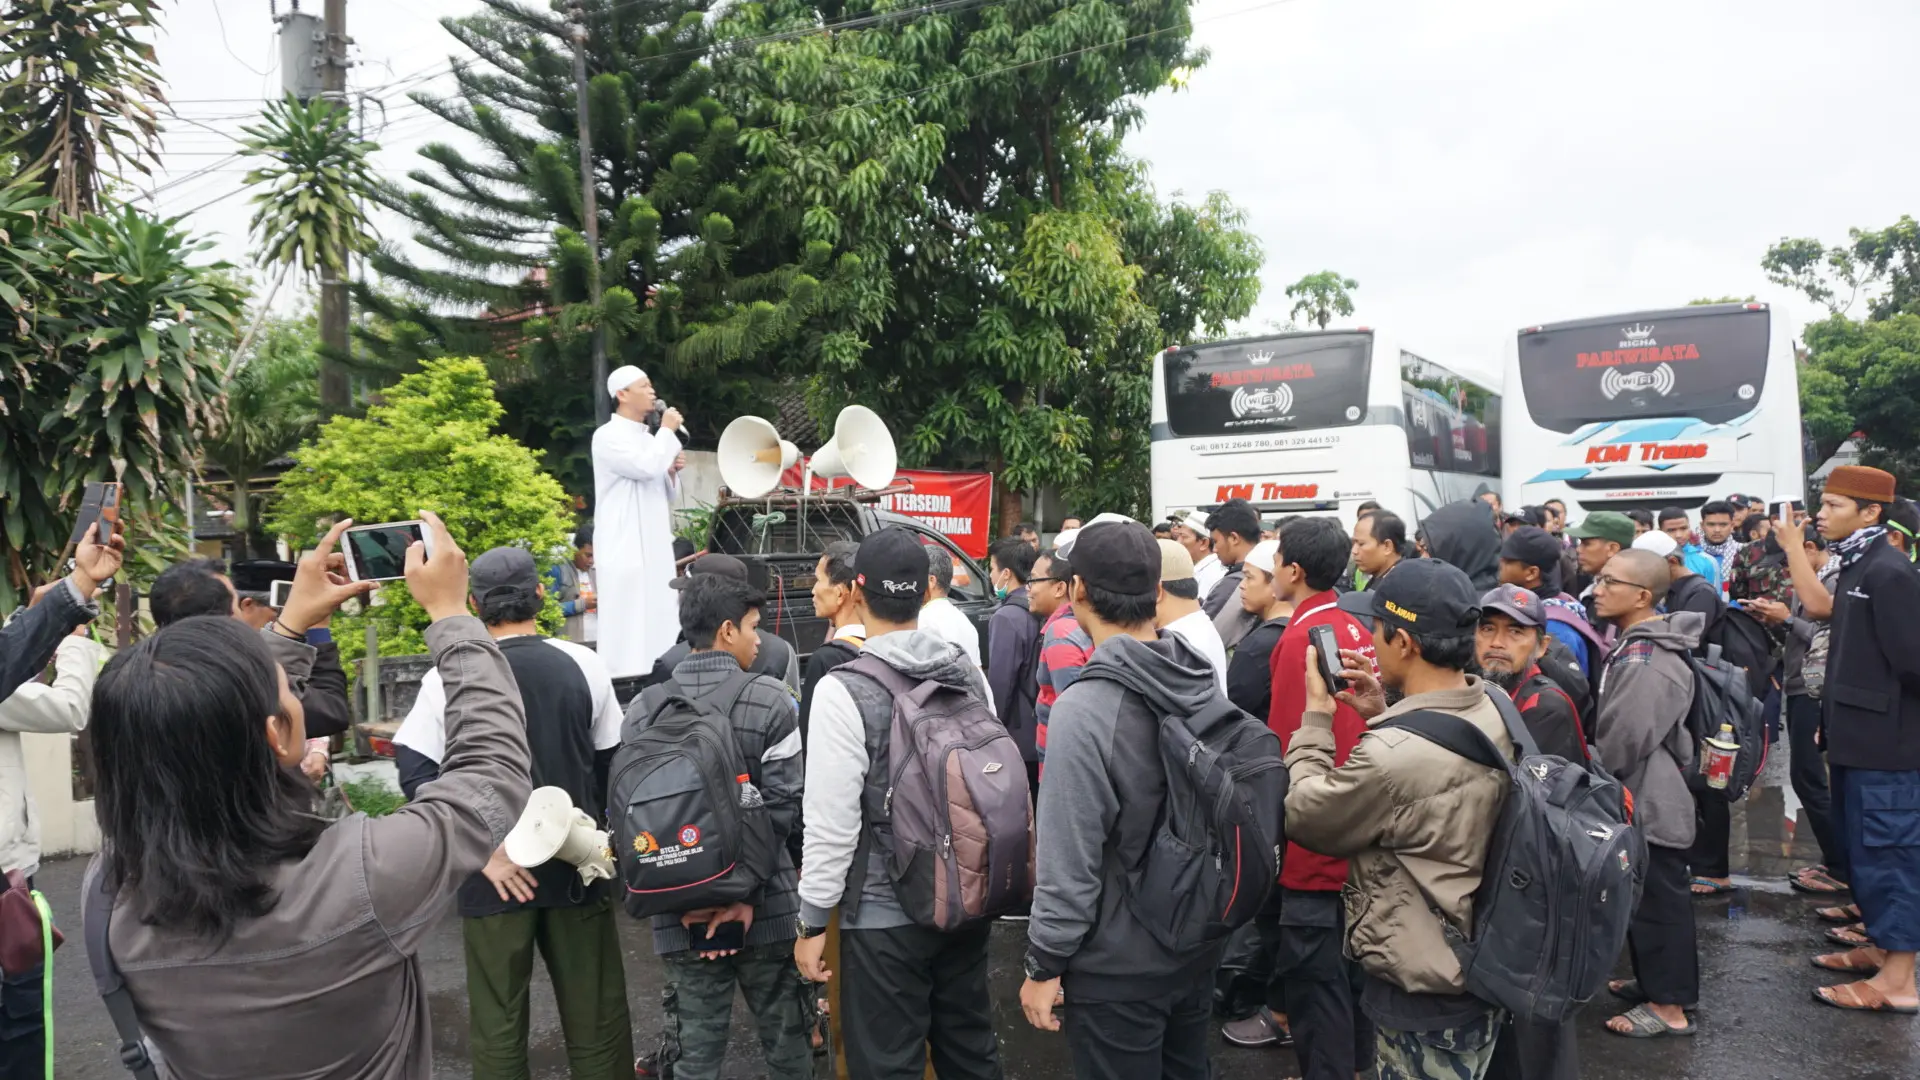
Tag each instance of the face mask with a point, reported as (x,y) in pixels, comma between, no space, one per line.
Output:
(1000,592)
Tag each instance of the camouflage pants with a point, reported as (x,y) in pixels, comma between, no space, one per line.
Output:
(703,1010)
(1459,1053)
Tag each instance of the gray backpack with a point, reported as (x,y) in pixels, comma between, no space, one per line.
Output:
(946,803)
(1562,876)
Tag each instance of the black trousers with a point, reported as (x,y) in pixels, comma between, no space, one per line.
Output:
(1712,831)
(1530,1050)
(1318,986)
(1661,941)
(909,991)
(1807,770)
(1163,1036)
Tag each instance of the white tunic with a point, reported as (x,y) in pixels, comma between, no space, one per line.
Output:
(634,484)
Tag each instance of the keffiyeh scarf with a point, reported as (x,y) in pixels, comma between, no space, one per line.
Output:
(1853,547)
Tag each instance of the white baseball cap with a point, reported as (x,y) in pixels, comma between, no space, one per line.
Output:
(624,376)
(1657,542)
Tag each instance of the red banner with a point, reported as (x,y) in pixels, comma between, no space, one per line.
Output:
(958,505)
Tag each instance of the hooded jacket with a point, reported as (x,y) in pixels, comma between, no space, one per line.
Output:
(1099,810)
(1646,689)
(1462,534)
(851,714)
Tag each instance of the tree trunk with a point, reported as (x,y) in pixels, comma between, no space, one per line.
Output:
(242,514)
(335,393)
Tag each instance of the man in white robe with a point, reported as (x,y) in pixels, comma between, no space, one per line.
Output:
(635,477)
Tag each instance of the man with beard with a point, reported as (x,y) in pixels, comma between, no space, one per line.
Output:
(1508,646)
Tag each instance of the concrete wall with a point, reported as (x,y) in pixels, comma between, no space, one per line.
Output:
(67,827)
(699,481)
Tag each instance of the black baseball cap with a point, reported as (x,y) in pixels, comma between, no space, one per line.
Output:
(890,562)
(1420,594)
(1523,604)
(501,571)
(1531,545)
(1119,557)
(712,563)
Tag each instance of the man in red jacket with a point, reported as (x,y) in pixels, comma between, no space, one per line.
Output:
(1333,1038)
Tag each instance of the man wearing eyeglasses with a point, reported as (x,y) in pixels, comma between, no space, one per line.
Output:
(1646,687)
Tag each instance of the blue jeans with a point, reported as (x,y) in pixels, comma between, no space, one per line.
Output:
(23,1033)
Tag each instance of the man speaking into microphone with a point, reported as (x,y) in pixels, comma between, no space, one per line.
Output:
(636,473)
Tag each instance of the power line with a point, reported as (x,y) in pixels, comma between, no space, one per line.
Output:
(222,19)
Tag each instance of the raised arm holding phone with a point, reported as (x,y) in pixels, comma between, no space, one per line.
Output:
(28,642)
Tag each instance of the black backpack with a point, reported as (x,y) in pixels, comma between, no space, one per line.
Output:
(1559,666)
(1744,642)
(1216,853)
(1562,876)
(687,831)
(1722,696)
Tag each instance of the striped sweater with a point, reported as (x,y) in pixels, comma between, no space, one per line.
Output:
(1064,649)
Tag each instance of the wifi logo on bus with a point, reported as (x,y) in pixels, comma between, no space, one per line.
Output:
(1262,401)
(1613,382)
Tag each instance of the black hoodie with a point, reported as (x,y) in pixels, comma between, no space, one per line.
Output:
(1463,535)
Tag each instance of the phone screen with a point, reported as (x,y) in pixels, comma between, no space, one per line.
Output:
(277,595)
(1327,653)
(730,935)
(379,552)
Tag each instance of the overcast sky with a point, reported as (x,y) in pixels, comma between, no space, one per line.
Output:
(1477,165)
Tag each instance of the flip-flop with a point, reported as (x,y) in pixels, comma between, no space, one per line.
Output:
(1643,1024)
(1627,990)
(1852,962)
(1817,880)
(1713,888)
(1865,998)
(1844,914)
(1850,937)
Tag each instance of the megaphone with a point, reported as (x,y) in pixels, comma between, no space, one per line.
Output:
(861,447)
(553,828)
(753,456)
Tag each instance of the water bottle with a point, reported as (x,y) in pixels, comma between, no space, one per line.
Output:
(749,795)
(1716,762)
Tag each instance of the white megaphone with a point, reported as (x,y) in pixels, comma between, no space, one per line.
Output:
(753,457)
(553,828)
(861,447)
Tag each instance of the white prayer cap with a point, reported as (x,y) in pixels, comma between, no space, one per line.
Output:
(1195,520)
(1657,542)
(1263,555)
(623,377)
(1063,543)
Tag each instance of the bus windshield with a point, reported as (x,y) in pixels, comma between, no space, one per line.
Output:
(1710,366)
(1289,383)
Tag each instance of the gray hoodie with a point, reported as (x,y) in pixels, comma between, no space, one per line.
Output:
(838,759)
(1099,809)
(1646,689)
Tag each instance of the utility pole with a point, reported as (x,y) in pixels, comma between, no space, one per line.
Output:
(335,393)
(603,403)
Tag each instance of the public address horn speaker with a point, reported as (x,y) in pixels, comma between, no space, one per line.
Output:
(553,828)
(753,456)
(861,447)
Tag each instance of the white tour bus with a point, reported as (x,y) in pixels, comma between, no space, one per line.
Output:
(1319,422)
(1654,409)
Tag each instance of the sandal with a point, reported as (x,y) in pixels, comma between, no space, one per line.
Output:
(1860,961)
(1704,887)
(1643,1024)
(1850,937)
(1627,990)
(1860,997)
(1845,913)
(1817,880)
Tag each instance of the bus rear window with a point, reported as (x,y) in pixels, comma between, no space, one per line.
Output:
(1710,367)
(1292,383)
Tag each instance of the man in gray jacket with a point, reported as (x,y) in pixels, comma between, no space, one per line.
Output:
(1646,689)
(1137,1009)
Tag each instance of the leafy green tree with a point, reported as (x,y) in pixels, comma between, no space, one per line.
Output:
(272,406)
(701,289)
(429,444)
(1884,259)
(1317,298)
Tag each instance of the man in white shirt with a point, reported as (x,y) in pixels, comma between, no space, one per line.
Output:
(938,616)
(1192,534)
(636,473)
(1180,611)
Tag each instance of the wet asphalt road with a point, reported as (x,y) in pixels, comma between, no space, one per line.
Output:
(1757,1019)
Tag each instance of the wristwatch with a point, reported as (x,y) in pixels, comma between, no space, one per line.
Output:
(1038,970)
(803,930)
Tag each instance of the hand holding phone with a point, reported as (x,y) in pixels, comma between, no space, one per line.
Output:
(315,594)
(379,552)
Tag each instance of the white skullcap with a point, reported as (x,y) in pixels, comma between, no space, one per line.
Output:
(1063,543)
(1195,520)
(1263,555)
(624,376)
(1657,542)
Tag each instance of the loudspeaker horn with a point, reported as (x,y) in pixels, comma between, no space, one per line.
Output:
(861,447)
(553,828)
(753,456)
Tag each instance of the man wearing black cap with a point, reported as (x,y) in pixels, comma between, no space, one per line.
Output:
(1530,559)
(573,728)
(1509,645)
(1136,1008)
(775,658)
(1399,793)
(904,988)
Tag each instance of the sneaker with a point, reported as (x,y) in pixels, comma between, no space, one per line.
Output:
(1256,1030)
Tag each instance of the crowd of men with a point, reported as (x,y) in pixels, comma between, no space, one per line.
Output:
(1590,631)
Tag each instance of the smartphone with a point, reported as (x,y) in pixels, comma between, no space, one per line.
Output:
(731,935)
(1783,512)
(1327,651)
(100,502)
(278,593)
(379,552)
